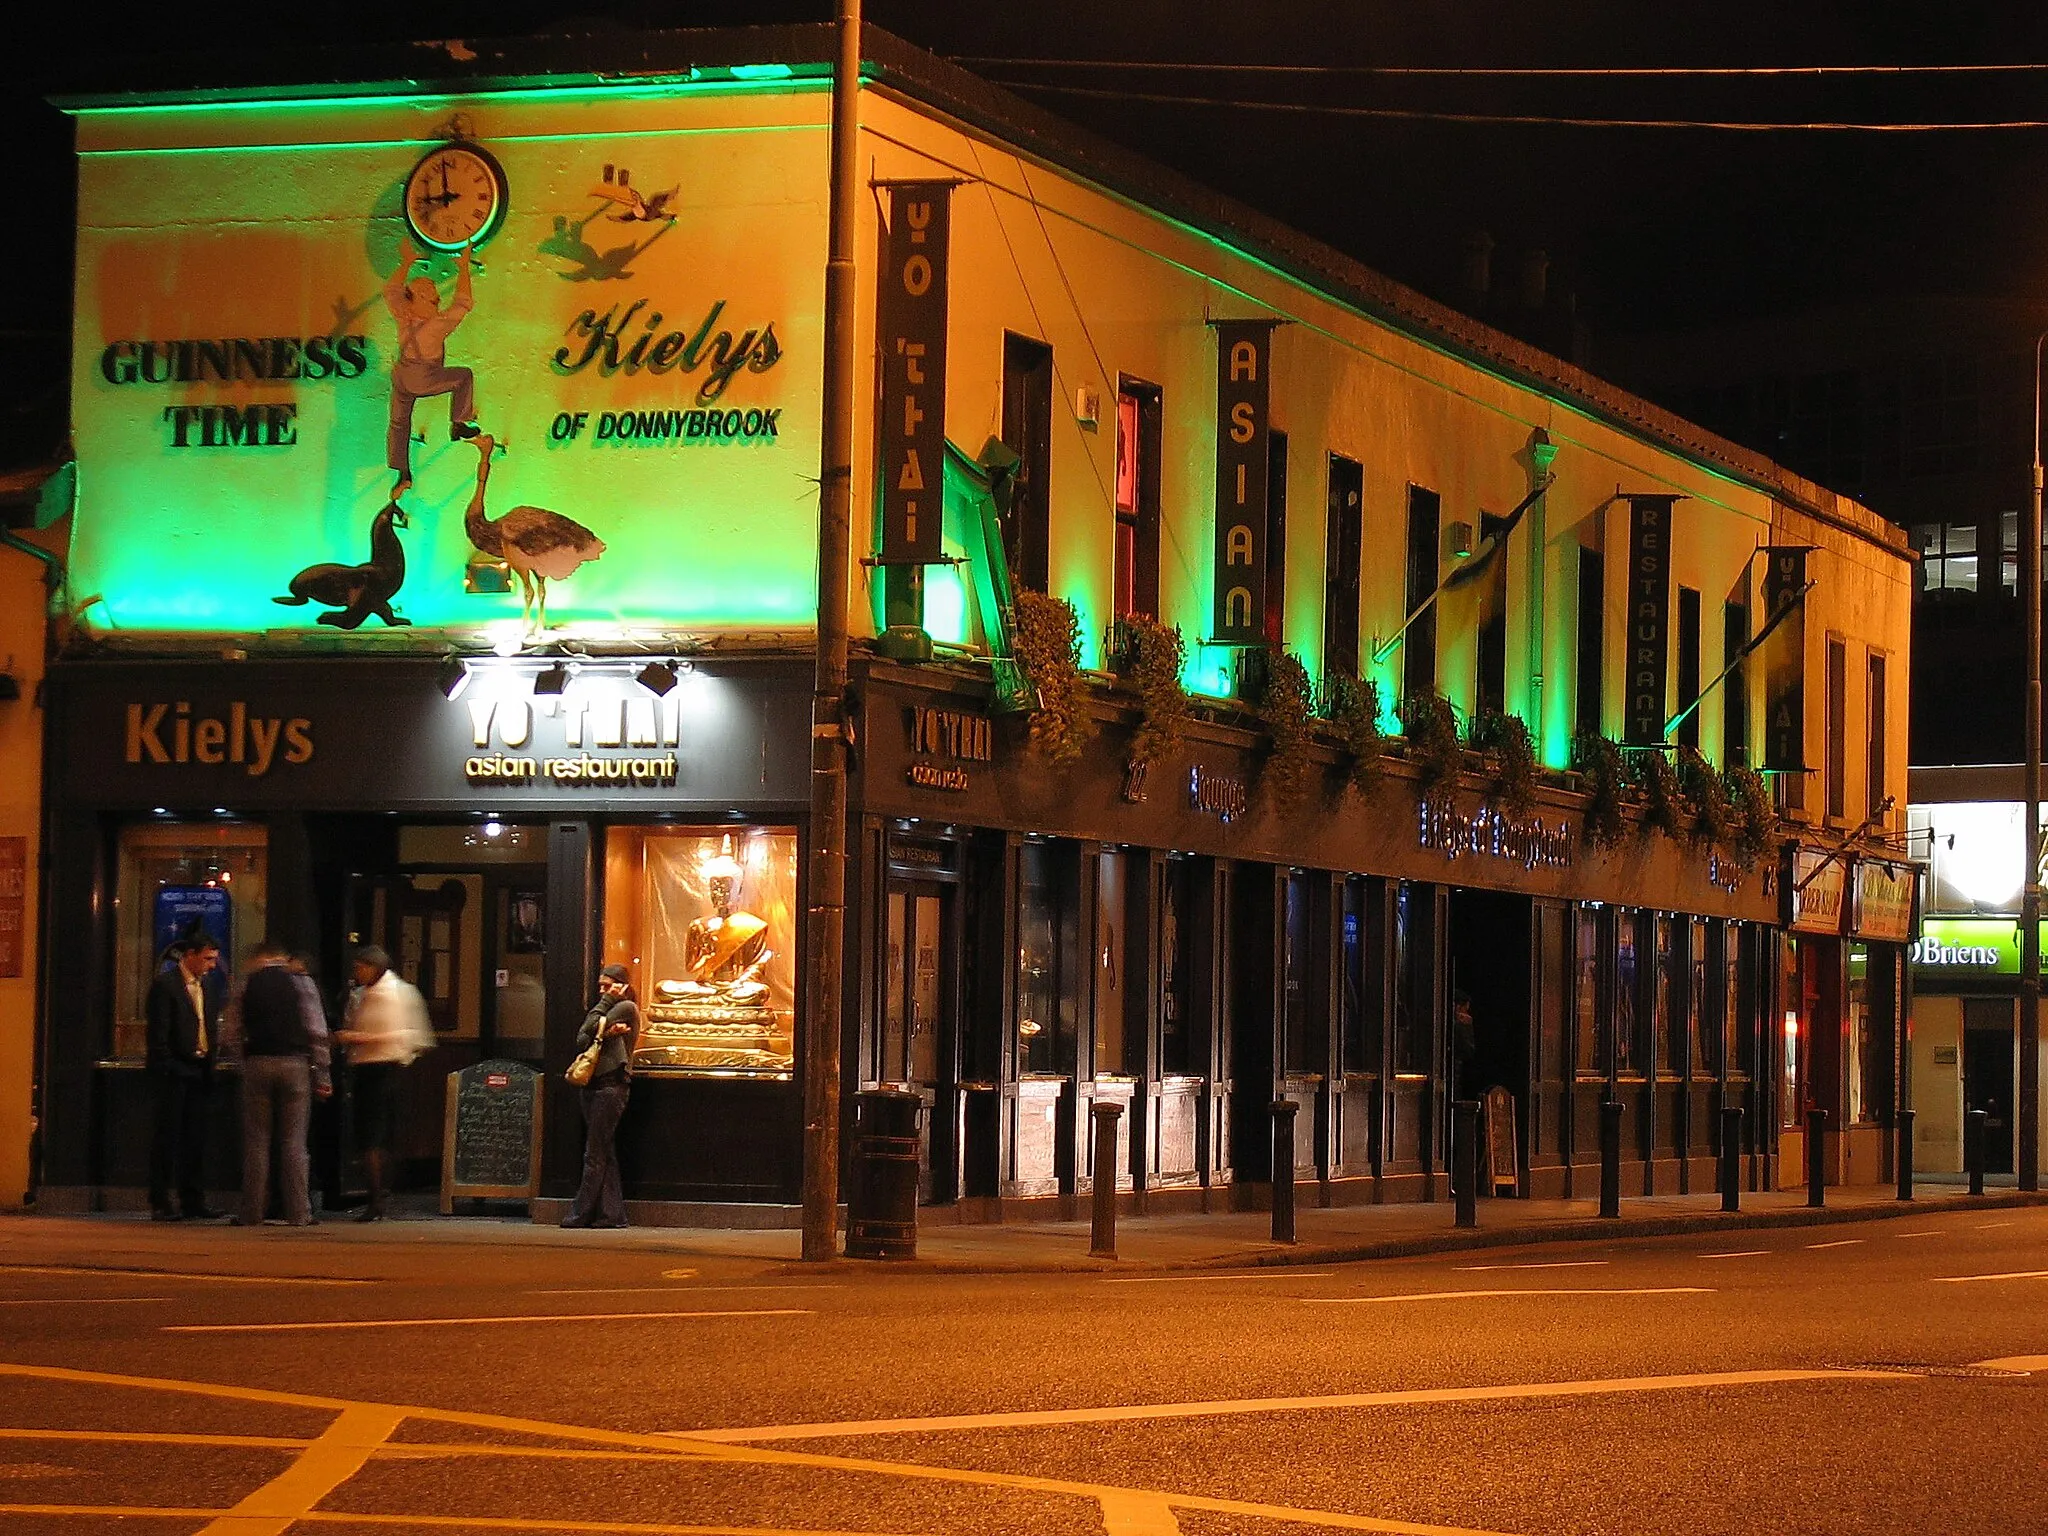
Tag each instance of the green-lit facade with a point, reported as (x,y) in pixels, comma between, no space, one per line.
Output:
(465,604)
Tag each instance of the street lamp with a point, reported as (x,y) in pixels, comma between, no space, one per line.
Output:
(2030,900)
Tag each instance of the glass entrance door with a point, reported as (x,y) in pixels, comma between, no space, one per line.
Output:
(918,1044)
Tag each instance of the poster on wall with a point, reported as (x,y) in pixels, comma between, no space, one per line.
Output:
(182,913)
(523,371)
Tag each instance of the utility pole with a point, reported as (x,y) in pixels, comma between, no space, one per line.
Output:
(2030,902)
(825,946)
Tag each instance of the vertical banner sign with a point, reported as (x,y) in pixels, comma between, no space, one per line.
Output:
(910,328)
(1244,348)
(1785,661)
(1649,617)
(13,907)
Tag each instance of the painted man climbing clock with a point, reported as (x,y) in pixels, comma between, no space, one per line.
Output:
(422,368)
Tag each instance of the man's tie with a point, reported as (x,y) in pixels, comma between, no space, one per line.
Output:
(198,995)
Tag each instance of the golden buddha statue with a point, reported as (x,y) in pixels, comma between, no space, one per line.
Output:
(716,1014)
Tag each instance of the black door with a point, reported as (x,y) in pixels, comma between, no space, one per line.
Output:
(919,1039)
(1988,1047)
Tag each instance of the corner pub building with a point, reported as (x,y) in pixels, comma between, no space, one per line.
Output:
(537,709)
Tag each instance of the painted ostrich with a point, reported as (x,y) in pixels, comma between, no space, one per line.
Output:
(539,545)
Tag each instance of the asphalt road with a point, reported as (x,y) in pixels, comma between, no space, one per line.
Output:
(1880,1377)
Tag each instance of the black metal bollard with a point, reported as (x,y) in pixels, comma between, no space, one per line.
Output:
(1610,1158)
(1731,1157)
(1905,1154)
(1465,1160)
(1816,1158)
(881,1196)
(1283,1169)
(1102,1232)
(1973,1148)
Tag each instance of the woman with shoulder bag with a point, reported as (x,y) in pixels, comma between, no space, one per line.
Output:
(611,1024)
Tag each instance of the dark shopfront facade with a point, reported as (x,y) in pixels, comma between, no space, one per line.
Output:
(1039,939)
(500,844)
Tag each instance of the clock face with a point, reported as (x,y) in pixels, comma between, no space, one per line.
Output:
(455,197)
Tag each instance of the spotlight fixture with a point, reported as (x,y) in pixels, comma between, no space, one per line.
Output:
(550,681)
(453,676)
(657,677)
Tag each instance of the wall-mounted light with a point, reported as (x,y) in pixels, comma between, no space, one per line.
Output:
(551,681)
(657,677)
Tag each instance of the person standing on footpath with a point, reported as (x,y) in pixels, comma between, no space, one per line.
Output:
(277,1031)
(183,1013)
(385,1029)
(615,1019)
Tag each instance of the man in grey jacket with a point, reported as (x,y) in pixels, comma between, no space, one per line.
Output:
(276,1029)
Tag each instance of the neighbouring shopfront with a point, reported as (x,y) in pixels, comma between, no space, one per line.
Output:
(1966,964)
(500,844)
(1039,941)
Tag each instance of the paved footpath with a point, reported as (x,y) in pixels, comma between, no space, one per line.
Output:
(1231,1240)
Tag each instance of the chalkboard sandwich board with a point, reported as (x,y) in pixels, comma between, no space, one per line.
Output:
(1502,1147)
(491,1136)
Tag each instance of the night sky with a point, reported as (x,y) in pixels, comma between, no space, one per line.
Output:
(1652,229)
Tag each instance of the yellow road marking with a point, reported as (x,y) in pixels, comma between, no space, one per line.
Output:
(1124,1515)
(335,1456)
(2017,1274)
(77,1301)
(1553,1264)
(736,1454)
(461,1322)
(464,1522)
(2028,1363)
(1647,1290)
(1143,1412)
(138,1437)
(1264,1274)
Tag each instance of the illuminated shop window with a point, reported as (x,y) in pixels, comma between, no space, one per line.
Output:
(1627,1051)
(1589,1059)
(175,878)
(1047,1008)
(706,922)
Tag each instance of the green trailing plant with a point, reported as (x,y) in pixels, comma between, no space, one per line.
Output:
(1285,707)
(1598,761)
(1048,649)
(1713,818)
(1663,803)
(1429,724)
(1754,832)
(1354,712)
(1507,740)
(1150,659)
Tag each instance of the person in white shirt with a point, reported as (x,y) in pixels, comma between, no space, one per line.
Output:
(386,1028)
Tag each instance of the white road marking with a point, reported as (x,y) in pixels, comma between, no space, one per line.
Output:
(1986,1226)
(1746,1253)
(78,1301)
(1929,1232)
(166,1276)
(1137,1514)
(1558,1264)
(2017,1274)
(1142,1412)
(1840,1242)
(1278,1274)
(679,1290)
(457,1322)
(2029,1363)
(1654,1290)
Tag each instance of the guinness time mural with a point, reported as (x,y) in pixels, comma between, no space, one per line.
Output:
(542,369)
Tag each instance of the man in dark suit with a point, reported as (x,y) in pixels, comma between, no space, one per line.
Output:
(183,1011)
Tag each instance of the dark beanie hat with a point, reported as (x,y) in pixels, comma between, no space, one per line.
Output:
(616,972)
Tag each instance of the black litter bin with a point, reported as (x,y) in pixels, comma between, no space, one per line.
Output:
(881,1197)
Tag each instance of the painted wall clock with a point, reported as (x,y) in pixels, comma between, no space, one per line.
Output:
(455,196)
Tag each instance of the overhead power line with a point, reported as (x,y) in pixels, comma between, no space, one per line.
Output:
(1525,120)
(1532,72)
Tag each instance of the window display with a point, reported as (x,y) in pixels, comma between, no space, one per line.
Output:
(176,879)
(706,922)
